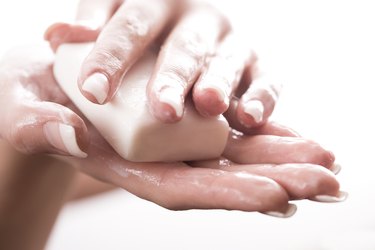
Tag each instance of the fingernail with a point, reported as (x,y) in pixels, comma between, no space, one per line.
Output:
(63,137)
(173,98)
(254,108)
(220,92)
(97,85)
(336,168)
(342,196)
(288,213)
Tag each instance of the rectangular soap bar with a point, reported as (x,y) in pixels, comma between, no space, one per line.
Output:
(126,123)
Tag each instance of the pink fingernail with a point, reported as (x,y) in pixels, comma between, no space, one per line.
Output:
(97,85)
(255,109)
(220,93)
(173,98)
(63,137)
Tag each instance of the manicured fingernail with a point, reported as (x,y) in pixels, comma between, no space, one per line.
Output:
(342,196)
(336,168)
(63,137)
(97,85)
(288,213)
(254,108)
(173,98)
(220,92)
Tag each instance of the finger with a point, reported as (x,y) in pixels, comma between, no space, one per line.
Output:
(91,16)
(60,33)
(259,99)
(44,127)
(269,149)
(181,60)
(181,188)
(178,186)
(131,30)
(269,128)
(214,88)
(301,181)
(274,128)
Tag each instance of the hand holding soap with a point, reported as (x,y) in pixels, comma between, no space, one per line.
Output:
(126,123)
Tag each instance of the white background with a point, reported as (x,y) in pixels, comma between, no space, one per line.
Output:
(324,52)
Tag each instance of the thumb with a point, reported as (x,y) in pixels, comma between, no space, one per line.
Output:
(91,16)
(45,127)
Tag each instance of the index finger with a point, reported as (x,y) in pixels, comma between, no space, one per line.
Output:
(136,24)
(91,16)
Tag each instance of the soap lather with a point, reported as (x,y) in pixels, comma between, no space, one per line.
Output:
(127,125)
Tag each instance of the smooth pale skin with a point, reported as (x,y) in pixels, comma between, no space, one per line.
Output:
(126,122)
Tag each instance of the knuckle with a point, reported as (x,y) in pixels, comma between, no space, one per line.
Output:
(134,25)
(192,44)
(176,76)
(110,60)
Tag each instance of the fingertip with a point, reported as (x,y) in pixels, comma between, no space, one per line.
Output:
(210,101)
(340,196)
(59,33)
(167,105)
(67,133)
(330,158)
(287,212)
(251,113)
(55,34)
(46,127)
(165,113)
(255,109)
(51,30)
(322,157)
(335,168)
(96,88)
(65,139)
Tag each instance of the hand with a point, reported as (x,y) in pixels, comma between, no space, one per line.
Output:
(199,53)
(259,172)
(35,116)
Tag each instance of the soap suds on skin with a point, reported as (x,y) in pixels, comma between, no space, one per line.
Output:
(127,172)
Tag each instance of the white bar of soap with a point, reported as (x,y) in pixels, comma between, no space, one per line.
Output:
(126,123)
